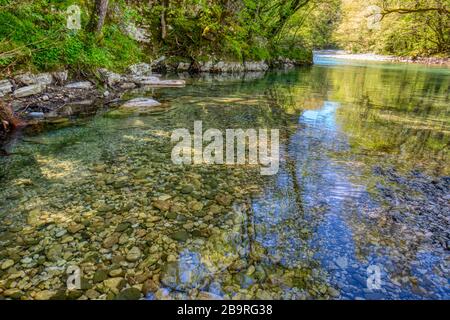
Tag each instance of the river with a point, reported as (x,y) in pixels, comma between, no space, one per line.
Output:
(358,210)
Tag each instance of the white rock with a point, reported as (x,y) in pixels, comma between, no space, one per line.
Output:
(141,103)
(29,90)
(86,85)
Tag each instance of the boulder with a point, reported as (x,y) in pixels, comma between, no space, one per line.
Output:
(29,90)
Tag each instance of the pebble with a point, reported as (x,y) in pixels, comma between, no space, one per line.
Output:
(129,294)
(44,295)
(7,264)
(134,254)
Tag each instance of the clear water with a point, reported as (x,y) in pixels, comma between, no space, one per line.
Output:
(362,183)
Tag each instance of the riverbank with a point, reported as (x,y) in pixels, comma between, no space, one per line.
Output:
(51,97)
(341,54)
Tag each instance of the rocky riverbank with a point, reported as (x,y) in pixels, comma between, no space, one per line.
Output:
(50,96)
(340,54)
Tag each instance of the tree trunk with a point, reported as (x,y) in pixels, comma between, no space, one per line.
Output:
(165,4)
(98,16)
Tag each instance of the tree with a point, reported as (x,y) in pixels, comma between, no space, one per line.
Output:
(98,16)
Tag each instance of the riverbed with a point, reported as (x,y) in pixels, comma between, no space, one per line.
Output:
(358,210)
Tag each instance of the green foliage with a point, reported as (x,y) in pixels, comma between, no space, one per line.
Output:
(230,30)
(408,28)
(33,35)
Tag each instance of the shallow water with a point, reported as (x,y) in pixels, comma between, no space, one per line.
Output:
(362,186)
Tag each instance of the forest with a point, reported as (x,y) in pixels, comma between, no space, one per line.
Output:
(117,33)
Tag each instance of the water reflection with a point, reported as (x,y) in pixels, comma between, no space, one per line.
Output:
(362,182)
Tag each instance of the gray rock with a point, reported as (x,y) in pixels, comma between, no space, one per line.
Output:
(141,80)
(256,66)
(137,33)
(140,69)
(155,82)
(60,77)
(28,79)
(128,85)
(5,87)
(29,91)
(110,78)
(141,103)
(84,85)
